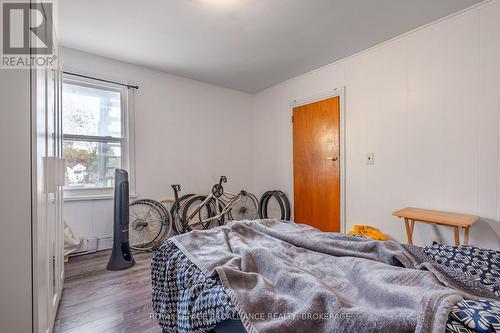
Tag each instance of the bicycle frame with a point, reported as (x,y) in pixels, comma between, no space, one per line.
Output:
(215,195)
(226,208)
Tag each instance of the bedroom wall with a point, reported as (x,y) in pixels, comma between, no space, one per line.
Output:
(186,132)
(427,105)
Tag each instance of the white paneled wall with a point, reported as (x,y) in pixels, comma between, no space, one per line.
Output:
(427,105)
(91,220)
(186,132)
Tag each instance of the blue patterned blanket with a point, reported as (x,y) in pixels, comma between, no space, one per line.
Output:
(187,301)
(482,265)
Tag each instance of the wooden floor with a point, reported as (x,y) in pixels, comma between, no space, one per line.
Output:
(97,300)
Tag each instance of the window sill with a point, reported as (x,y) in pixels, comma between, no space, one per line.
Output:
(94,197)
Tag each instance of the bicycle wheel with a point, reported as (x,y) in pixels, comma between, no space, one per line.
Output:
(222,220)
(146,222)
(167,223)
(167,206)
(197,220)
(176,223)
(244,208)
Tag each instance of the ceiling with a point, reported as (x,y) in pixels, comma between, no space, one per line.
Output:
(247,45)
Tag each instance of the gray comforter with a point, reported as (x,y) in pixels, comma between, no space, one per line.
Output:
(287,277)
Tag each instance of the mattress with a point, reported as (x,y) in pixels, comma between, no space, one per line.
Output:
(189,301)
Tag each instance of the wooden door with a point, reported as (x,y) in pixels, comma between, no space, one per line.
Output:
(316,164)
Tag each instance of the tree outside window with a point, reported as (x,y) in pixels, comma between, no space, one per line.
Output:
(93,133)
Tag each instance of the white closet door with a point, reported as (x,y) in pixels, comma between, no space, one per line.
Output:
(48,180)
(40,172)
(59,240)
(48,266)
(53,213)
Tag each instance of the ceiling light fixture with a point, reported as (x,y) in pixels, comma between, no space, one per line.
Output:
(221,3)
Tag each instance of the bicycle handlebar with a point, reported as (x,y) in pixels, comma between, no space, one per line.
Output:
(223,179)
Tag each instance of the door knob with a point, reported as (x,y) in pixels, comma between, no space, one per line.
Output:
(333,158)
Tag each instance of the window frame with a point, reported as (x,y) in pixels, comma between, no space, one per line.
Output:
(126,140)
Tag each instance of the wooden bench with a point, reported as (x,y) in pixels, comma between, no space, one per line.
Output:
(457,221)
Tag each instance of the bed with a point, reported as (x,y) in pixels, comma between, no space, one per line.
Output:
(276,276)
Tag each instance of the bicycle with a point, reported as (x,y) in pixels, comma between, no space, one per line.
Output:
(208,211)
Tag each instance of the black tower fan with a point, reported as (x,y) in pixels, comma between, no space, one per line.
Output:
(121,258)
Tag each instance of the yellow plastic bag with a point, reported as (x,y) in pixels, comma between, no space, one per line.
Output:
(367,231)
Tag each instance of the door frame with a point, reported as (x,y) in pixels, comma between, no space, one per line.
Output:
(337,92)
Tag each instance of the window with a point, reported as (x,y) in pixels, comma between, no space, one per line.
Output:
(95,134)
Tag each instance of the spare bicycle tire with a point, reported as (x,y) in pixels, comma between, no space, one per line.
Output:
(264,201)
(286,203)
(282,200)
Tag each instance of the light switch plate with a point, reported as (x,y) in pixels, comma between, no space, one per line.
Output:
(370,158)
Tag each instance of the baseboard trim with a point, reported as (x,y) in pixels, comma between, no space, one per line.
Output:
(104,243)
(93,245)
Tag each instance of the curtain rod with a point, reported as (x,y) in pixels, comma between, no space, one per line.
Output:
(102,80)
